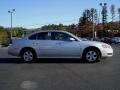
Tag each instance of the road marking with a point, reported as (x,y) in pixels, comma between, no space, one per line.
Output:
(28,85)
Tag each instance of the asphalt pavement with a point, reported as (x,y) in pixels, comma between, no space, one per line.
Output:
(59,74)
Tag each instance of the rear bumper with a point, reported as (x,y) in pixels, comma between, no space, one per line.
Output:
(13,51)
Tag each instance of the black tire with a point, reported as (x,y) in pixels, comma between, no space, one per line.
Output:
(91,55)
(28,55)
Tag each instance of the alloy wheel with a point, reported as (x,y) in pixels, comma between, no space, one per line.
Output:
(91,56)
(28,56)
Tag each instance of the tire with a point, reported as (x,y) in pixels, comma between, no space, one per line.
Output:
(91,55)
(28,55)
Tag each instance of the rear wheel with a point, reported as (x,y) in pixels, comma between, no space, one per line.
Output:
(28,55)
(91,55)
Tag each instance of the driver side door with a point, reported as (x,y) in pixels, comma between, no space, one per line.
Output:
(65,45)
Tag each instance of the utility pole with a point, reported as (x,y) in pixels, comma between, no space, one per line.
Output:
(93,36)
(11,17)
(94,19)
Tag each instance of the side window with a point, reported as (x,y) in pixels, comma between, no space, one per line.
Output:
(44,36)
(62,36)
(33,37)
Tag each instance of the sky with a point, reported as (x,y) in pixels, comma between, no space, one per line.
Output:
(35,13)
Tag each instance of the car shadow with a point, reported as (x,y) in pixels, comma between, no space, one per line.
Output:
(51,60)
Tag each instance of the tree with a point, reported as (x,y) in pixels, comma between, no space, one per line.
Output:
(104,12)
(4,36)
(89,15)
(94,20)
(119,17)
(112,9)
(87,22)
(104,18)
(54,27)
(93,15)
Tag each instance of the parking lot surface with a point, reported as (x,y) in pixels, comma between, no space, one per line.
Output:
(59,74)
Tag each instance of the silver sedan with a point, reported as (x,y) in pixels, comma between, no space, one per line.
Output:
(58,44)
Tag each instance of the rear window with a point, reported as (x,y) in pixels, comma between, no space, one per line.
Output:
(44,36)
(33,37)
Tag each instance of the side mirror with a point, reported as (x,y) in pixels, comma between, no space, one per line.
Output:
(72,39)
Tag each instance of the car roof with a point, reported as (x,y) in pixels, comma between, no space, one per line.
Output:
(45,31)
(51,31)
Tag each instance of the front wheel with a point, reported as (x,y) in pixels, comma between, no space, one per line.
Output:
(91,55)
(28,55)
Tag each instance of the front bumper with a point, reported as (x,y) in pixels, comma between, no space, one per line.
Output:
(107,53)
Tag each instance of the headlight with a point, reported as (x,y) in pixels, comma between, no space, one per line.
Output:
(106,46)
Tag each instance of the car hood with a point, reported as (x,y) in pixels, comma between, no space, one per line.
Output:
(93,43)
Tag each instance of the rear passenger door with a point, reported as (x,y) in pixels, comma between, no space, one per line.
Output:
(44,45)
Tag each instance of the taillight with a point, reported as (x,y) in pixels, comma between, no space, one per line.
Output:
(11,41)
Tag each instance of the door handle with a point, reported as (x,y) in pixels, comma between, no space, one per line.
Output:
(35,43)
(58,43)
